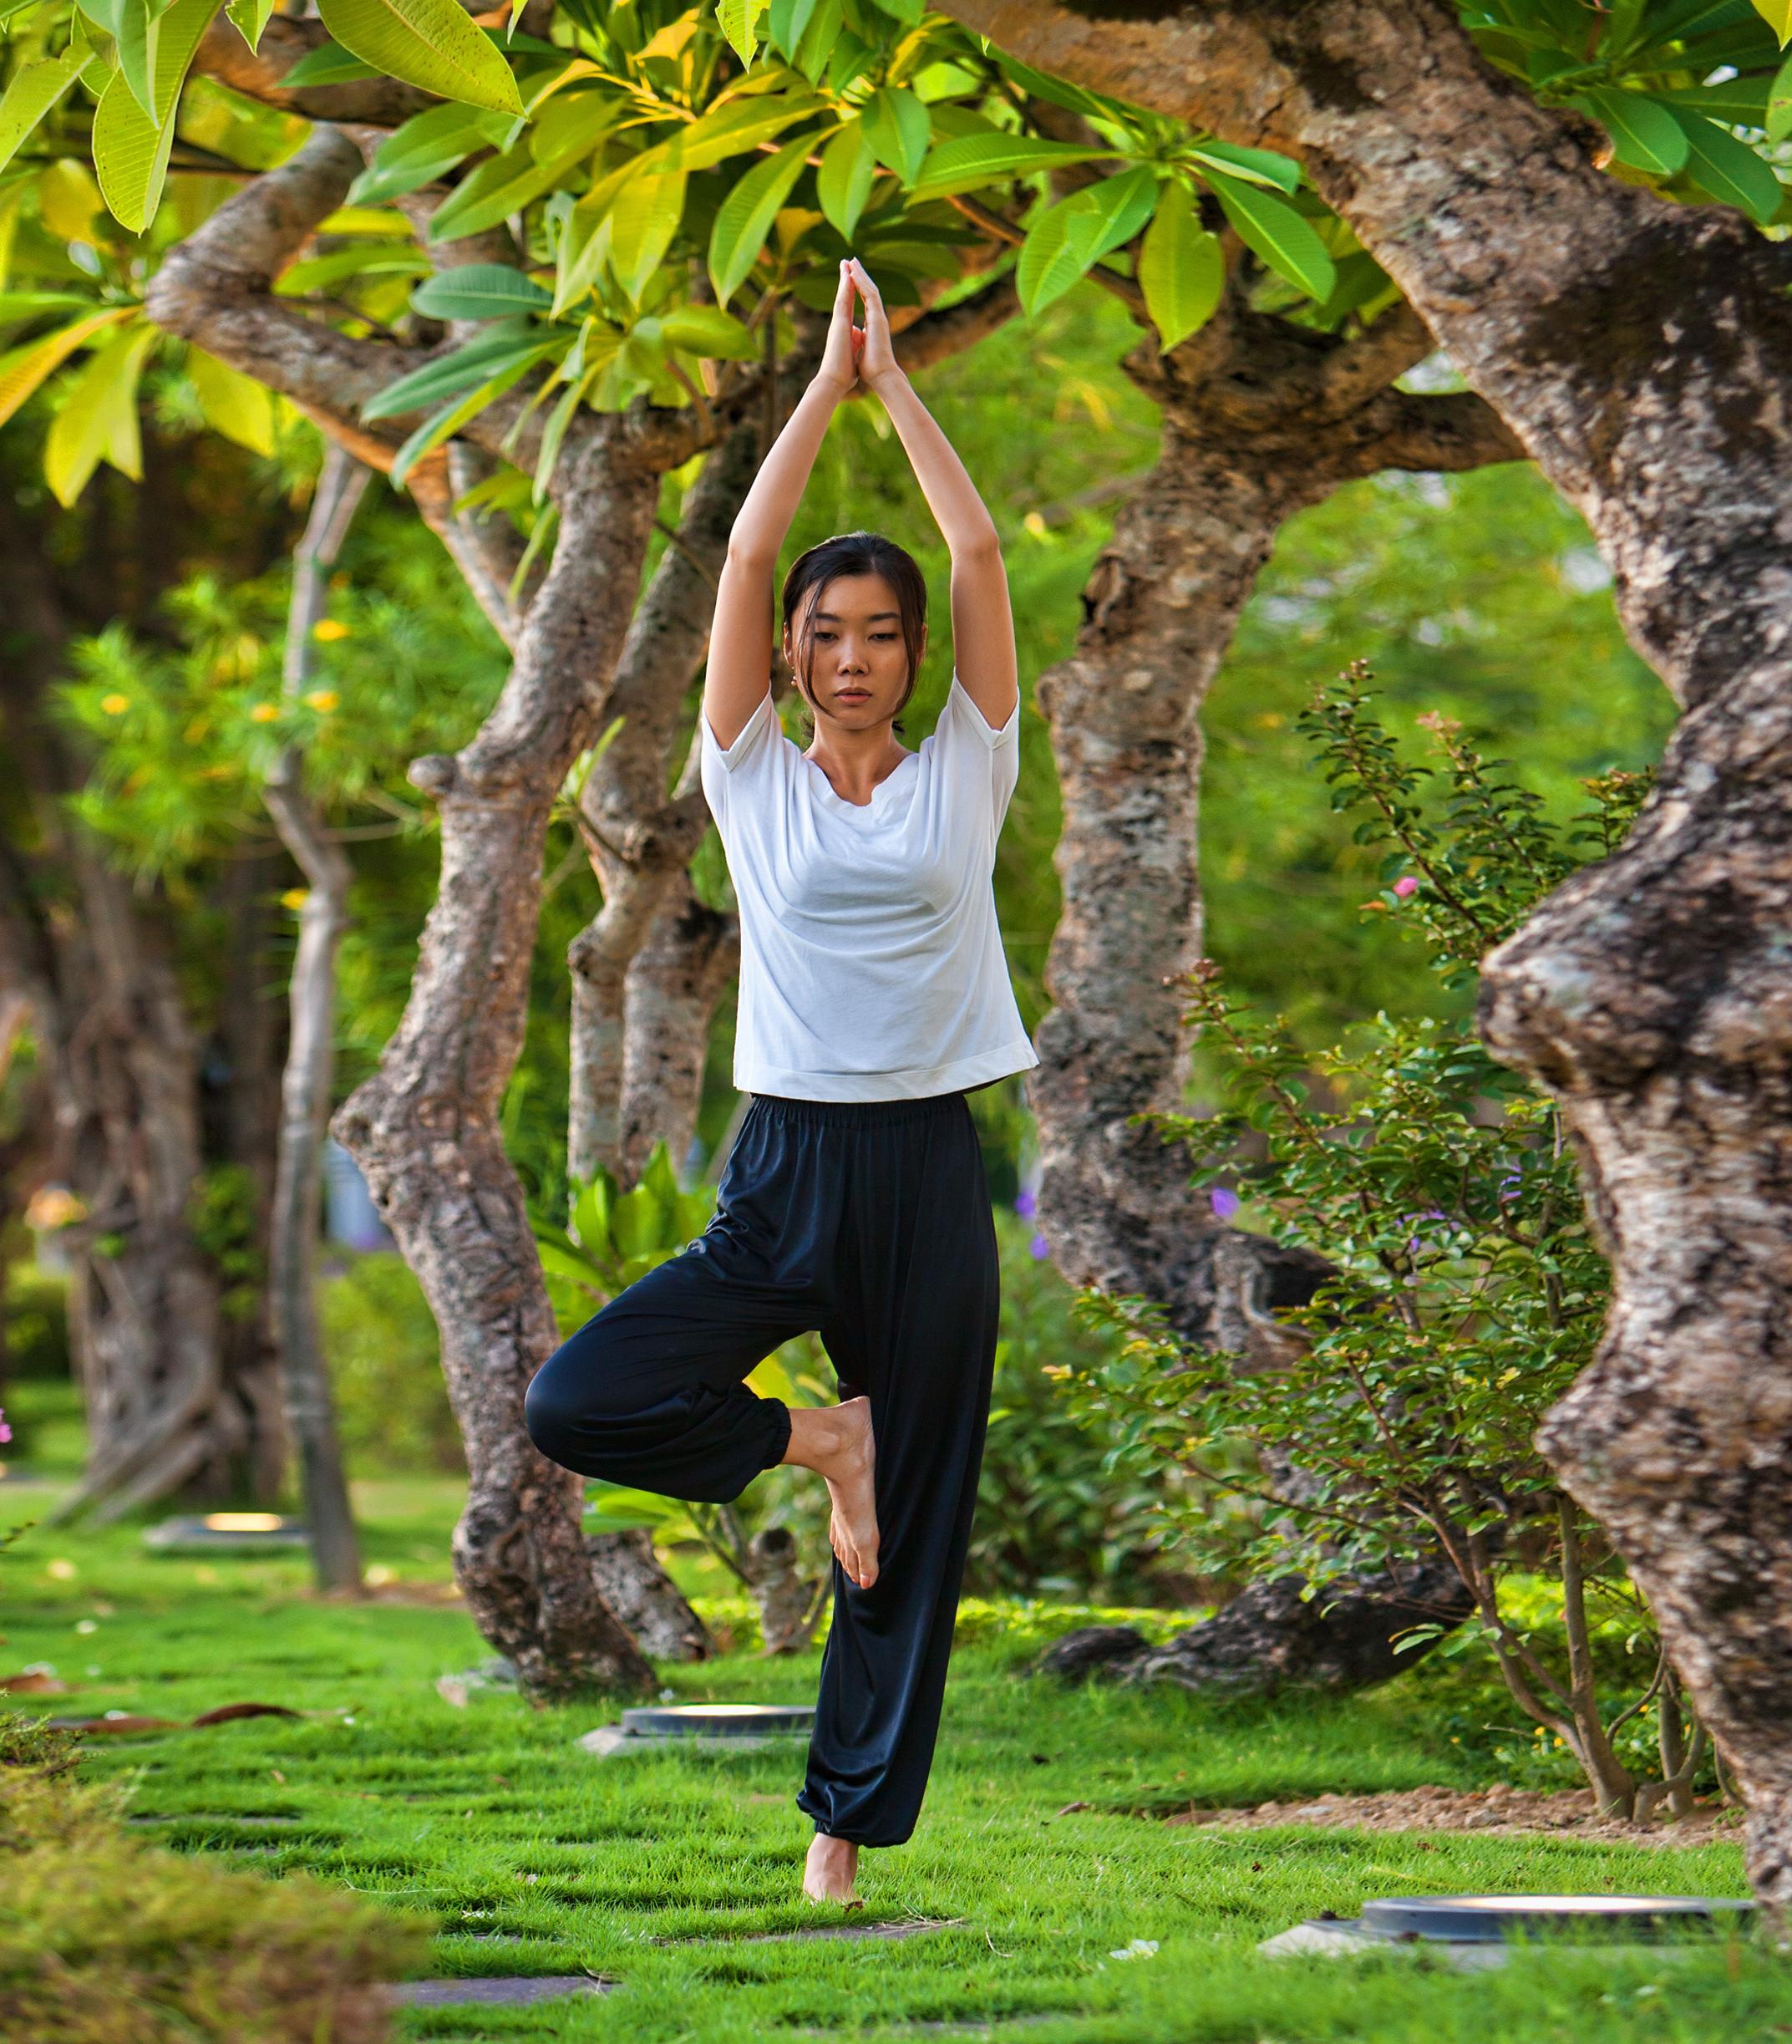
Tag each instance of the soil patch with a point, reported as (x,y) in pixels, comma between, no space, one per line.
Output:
(1500,1809)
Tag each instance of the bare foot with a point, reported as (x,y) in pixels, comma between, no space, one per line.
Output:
(829,1870)
(836,1442)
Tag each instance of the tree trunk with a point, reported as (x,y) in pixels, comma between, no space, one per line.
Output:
(678,977)
(1642,352)
(424,1129)
(311,1061)
(649,1604)
(177,1405)
(1260,420)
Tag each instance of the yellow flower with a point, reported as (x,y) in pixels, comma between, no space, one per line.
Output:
(264,712)
(294,898)
(115,706)
(323,699)
(1035,524)
(330,628)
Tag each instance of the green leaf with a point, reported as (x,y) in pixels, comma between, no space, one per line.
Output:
(1727,170)
(1051,261)
(97,420)
(786,23)
(429,44)
(1778,16)
(973,159)
(240,408)
(138,30)
(585,241)
(1780,104)
(23,367)
(251,17)
(130,151)
(33,90)
(739,20)
(1069,238)
(745,218)
(731,128)
(643,219)
(708,330)
(449,374)
(449,421)
(1256,166)
(426,145)
(1738,102)
(1118,207)
(843,183)
(1181,269)
(1270,227)
(1645,135)
(492,191)
(895,124)
(480,291)
(329,65)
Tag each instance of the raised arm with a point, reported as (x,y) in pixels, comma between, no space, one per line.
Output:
(739,668)
(982,619)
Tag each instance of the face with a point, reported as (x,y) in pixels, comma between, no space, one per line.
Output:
(859,665)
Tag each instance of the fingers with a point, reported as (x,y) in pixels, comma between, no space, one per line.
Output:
(874,298)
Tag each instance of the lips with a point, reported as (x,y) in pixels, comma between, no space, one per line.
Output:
(853,695)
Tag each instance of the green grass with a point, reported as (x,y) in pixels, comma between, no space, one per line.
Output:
(652,1870)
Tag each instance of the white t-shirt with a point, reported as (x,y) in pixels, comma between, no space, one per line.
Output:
(872,965)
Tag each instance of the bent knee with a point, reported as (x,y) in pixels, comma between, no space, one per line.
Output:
(553,1416)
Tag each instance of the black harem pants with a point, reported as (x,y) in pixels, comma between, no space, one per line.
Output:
(869,1222)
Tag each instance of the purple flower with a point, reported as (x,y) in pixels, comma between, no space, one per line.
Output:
(1040,1247)
(1025,1204)
(1513,1179)
(1224,1201)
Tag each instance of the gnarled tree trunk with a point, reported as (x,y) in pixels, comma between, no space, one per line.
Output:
(1261,419)
(1642,352)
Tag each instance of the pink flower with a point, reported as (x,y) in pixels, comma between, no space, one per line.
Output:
(1405,885)
(6,1431)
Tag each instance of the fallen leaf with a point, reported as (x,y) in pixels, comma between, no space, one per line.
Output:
(32,1682)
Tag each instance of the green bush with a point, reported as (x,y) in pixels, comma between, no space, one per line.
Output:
(106,1939)
(1050,1519)
(384,1357)
(36,1305)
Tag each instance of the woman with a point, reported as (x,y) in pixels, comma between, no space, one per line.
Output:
(874,994)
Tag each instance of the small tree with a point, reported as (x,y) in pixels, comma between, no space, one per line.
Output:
(1466,1292)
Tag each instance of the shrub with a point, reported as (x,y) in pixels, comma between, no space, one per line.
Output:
(36,1305)
(105,1939)
(1465,1291)
(384,1359)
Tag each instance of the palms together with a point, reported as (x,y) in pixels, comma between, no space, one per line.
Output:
(857,357)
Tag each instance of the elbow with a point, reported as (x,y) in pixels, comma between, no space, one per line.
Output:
(980,549)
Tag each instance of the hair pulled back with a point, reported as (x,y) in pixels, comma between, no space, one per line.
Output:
(853,553)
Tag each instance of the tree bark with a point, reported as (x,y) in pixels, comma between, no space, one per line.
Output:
(311,1061)
(1261,419)
(1642,352)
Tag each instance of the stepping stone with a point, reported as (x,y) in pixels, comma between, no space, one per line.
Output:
(219,1817)
(227,1533)
(516,1992)
(740,1727)
(907,1927)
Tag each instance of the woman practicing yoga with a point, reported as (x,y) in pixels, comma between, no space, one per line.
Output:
(874,994)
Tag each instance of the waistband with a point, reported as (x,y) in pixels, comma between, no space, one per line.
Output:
(854,1113)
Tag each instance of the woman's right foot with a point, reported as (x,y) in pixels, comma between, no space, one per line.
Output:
(851,1481)
(836,1442)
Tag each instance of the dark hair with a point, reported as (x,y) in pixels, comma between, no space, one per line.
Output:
(853,553)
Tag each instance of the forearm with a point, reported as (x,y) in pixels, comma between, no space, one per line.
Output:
(769,507)
(962,515)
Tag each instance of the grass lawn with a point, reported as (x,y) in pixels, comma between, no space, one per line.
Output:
(658,1870)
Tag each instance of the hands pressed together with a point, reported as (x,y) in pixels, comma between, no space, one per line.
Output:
(857,357)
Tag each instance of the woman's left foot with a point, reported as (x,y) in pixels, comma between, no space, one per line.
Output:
(829,1873)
